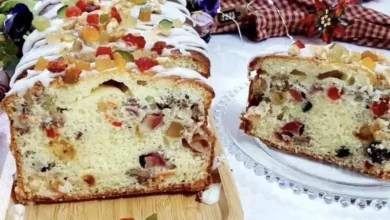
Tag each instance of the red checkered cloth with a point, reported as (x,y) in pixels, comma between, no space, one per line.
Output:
(366,27)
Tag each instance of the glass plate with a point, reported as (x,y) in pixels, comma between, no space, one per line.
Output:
(315,179)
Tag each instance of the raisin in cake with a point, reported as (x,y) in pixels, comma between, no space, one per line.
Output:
(98,110)
(325,103)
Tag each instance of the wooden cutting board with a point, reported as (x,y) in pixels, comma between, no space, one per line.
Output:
(171,206)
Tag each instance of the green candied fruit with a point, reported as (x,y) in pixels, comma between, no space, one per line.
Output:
(104,18)
(41,23)
(126,55)
(138,2)
(166,24)
(61,11)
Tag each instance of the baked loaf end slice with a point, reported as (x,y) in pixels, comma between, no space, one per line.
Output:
(111,134)
(330,106)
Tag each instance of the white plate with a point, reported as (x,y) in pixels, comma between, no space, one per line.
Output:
(317,180)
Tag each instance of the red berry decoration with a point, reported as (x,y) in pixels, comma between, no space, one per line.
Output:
(380,107)
(134,40)
(115,14)
(104,50)
(158,47)
(145,63)
(334,93)
(296,95)
(73,11)
(93,19)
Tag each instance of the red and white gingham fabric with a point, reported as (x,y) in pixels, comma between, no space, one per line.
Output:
(366,27)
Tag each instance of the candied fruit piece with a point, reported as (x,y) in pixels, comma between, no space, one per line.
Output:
(68,38)
(334,93)
(164,27)
(126,55)
(104,50)
(117,123)
(104,62)
(138,2)
(104,37)
(51,132)
(175,130)
(177,23)
(337,52)
(145,14)
(115,14)
(89,33)
(296,95)
(41,64)
(77,46)
(53,38)
(145,63)
(82,65)
(72,11)
(119,61)
(369,54)
(158,47)
(141,53)
(369,63)
(299,44)
(153,120)
(81,4)
(56,66)
(381,107)
(129,22)
(71,75)
(134,40)
(41,23)
(62,149)
(104,18)
(276,98)
(93,19)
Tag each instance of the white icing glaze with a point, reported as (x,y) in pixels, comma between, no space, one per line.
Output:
(211,195)
(40,5)
(178,71)
(45,77)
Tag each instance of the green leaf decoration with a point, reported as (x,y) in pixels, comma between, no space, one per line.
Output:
(9,4)
(152,217)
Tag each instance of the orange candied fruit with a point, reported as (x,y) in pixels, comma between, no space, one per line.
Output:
(82,65)
(71,75)
(369,63)
(145,14)
(89,33)
(41,64)
(104,62)
(119,61)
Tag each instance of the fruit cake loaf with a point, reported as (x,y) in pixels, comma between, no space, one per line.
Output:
(106,126)
(325,103)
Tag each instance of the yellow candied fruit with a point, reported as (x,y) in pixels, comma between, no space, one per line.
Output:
(369,54)
(103,37)
(82,65)
(53,38)
(89,33)
(161,30)
(129,22)
(145,14)
(337,53)
(41,64)
(177,23)
(369,63)
(141,53)
(104,62)
(354,56)
(138,2)
(68,38)
(119,61)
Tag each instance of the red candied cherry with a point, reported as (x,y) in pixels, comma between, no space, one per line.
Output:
(333,93)
(51,132)
(104,50)
(299,44)
(153,120)
(296,95)
(81,4)
(294,127)
(115,14)
(379,108)
(117,123)
(134,40)
(145,63)
(158,47)
(56,66)
(73,11)
(93,19)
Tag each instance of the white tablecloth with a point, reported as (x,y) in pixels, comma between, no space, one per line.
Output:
(260,199)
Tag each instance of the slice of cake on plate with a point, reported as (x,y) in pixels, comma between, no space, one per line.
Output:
(325,103)
(111,101)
